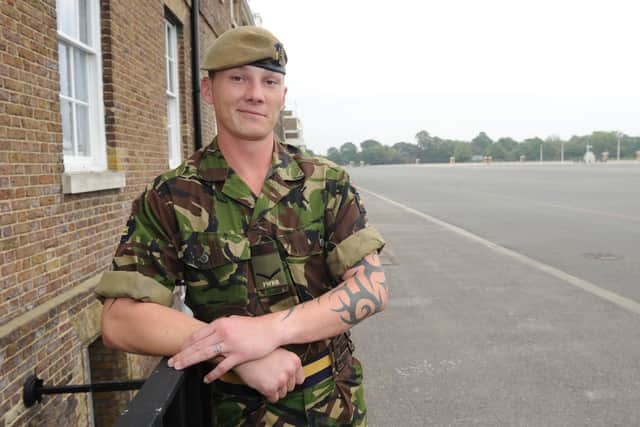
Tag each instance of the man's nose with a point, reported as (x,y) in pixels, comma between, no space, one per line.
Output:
(255,91)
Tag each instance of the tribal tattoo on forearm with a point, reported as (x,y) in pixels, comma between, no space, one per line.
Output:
(367,297)
(362,294)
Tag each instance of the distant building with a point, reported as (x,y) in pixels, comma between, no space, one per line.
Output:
(289,129)
(95,101)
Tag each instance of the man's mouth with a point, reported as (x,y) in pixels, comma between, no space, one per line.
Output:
(253,113)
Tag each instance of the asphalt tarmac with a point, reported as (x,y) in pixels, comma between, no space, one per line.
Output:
(515,295)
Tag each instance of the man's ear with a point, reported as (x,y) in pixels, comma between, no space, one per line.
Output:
(206,90)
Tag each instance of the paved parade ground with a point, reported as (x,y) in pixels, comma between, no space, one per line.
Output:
(515,295)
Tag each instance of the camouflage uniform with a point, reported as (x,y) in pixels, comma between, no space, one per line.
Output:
(196,226)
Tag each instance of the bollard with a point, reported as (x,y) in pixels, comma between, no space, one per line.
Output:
(522,158)
(452,160)
(605,156)
(589,157)
(638,156)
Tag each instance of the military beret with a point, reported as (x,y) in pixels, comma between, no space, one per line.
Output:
(246,46)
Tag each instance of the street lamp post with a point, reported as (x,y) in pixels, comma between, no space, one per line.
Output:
(618,154)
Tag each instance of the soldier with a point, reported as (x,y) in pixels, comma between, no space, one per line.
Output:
(273,247)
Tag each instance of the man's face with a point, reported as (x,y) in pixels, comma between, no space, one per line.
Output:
(247,101)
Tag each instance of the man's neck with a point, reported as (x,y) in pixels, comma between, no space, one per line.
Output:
(251,160)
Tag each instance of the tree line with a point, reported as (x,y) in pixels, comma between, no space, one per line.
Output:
(433,149)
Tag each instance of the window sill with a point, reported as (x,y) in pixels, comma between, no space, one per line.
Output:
(84,182)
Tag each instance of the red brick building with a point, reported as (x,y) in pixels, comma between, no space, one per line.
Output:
(95,101)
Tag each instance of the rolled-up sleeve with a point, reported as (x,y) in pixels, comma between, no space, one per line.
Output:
(350,237)
(146,265)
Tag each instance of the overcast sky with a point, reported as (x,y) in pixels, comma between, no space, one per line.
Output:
(388,69)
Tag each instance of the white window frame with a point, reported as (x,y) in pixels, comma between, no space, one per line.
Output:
(97,158)
(173,92)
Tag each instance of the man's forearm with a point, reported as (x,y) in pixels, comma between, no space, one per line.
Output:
(362,294)
(145,327)
(243,338)
(148,328)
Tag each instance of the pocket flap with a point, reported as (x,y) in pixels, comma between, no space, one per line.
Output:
(205,250)
(303,242)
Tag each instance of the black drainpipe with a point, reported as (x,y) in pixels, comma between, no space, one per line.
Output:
(195,72)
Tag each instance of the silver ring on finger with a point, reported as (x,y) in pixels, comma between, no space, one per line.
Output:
(217,348)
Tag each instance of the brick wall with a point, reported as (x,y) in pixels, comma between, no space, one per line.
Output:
(53,246)
(52,346)
(135,100)
(30,158)
(108,365)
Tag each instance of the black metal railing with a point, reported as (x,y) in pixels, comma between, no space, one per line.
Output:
(167,398)
(33,388)
(170,398)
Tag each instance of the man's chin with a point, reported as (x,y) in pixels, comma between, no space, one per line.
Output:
(257,136)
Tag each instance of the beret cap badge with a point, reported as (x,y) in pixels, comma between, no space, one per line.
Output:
(281,55)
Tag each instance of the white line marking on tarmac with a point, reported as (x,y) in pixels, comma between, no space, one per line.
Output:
(593,289)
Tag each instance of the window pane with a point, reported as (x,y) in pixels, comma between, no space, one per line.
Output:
(80,74)
(82,129)
(65,78)
(83,18)
(170,72)
(172,127)
(67,127)
(169,142)
(170,115)
(166,67)
(173,113)
(172,42)
(67,14)
(166,38)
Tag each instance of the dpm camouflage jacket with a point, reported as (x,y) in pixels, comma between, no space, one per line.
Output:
(196,224)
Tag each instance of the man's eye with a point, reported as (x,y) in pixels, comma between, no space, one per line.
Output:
(236,78)
(271,82)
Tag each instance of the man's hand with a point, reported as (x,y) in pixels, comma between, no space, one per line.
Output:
(273,376)
(238,339)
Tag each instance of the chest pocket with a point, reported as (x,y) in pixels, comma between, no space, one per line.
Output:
(304,249)
(215,273)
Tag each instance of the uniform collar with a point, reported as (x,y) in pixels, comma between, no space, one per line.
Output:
(284,165)
(282,177)
(213,166)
